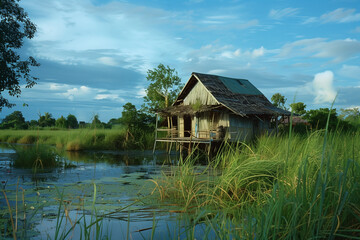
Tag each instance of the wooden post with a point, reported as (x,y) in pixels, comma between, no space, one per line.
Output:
(277,125)
(156,125)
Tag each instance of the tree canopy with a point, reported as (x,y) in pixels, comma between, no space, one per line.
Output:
(14,120)
(163,89)
(72,121)
(298,108)
(46,120)
(278,100)
(15,26)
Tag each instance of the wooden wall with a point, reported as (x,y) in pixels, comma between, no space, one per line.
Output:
(199,93)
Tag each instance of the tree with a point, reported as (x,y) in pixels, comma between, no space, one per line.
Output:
(61,122)
(96,123)
(278,100)
(318,118)
(46,120)
(15,26)
(129,118)
(351,115)
(14,120)
(163,89)
(72,121)
(298,108)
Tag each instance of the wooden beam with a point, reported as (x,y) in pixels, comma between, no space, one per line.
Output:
(156,125)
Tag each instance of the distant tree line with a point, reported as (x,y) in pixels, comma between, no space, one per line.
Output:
(344,119)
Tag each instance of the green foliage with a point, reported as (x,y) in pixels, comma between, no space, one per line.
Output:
(61,122)
(318,119)
(46,120)
(277,188)
(14,120)
(15,26)
(96,123)
(163,88)
(351,115)
(278,100)
(35,157)
(298,108)
(82,139)
(72,121)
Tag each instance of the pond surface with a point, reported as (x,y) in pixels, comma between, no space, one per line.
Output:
(120,181)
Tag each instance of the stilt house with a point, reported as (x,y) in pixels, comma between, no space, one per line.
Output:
(213,108)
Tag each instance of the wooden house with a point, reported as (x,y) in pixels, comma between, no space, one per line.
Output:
(212,108)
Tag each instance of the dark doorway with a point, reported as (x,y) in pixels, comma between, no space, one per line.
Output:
(187,125)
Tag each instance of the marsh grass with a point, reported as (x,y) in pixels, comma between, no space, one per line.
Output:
(287,187)
(35,157)
(80,139)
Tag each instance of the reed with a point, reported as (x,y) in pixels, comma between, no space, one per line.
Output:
(277,187)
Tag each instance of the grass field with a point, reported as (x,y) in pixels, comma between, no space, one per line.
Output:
(80,139)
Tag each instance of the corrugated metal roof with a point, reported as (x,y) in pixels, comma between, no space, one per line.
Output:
(241,86)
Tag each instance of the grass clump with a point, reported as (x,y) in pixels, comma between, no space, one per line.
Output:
(35,157)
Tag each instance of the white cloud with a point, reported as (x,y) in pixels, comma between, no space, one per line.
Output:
(79,32)
(337,50)
(341,15)
(76,92)
(323,88)
(107,96)
(216,71)
(258,52)
(281,13)
(108,61)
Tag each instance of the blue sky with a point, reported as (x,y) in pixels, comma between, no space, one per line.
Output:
(94,54)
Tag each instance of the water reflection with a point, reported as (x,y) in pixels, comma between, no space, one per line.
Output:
(120,178)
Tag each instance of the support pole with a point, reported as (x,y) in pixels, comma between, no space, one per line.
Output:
(156,125)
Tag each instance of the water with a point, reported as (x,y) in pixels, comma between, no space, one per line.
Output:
(121,182)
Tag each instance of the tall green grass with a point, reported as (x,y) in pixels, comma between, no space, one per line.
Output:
(79,139)
(35,157)
(296,187)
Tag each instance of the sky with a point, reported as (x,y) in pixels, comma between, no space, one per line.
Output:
(95,54)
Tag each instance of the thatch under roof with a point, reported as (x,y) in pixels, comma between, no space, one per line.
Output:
(237,95)
(180,110)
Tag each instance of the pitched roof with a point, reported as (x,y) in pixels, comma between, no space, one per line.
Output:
(237,95)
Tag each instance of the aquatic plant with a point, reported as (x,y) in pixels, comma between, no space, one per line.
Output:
(35,156)
(276,188)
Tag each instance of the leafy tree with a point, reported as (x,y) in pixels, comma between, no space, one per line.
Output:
(14,120)
(163,89)
(46,120)
(15,26)
(96,123)
(129,115)
(72,121)
(61,122)
(351,115)
(298,108)
(33,123)
(129,118)
(318,118)
(278,100)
